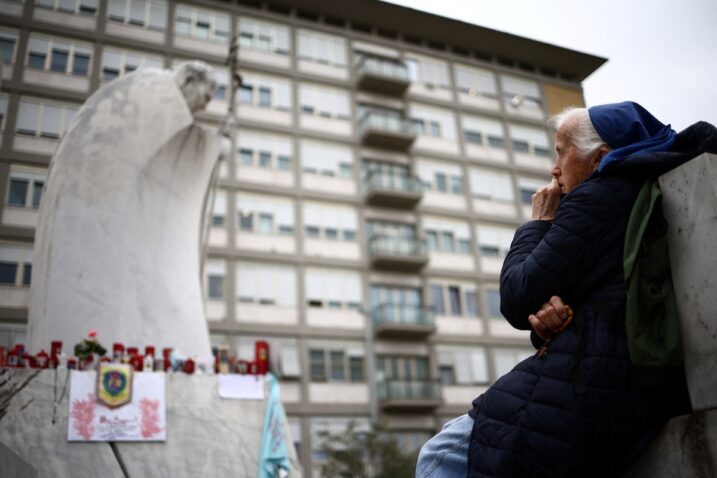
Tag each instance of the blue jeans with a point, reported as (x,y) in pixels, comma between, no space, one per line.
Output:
(446,454)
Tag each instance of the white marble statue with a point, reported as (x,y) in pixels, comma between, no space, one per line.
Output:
(117,248)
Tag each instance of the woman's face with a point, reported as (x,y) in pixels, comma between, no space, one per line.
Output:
(569,169)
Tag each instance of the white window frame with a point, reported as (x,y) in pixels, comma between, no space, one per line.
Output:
(342,219)
(428,117)
(194,13)
(514,354)
(20,256)
(256,144)
(430,72)
(459,230)
(266,279)
(15,36)
(470,364)
(348,282)
(497,237)
(429,174)
(326,159)
(488,128)
(74,46)
(146,59)
(258,82)
(319,43)
(147,25)
(493,185)
(324,101)
(523,92)
(256,206)
(530,135)
(348,353)
(76,11)
(67,110)
(32,177)
(476,75)
(256,28)
(463,288)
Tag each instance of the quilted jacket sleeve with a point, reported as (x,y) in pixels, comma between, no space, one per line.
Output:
(563,258)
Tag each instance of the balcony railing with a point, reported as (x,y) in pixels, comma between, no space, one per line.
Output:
(398,253)
(402,320)
(414,394)
(392,190)
(382,75)
(380,129)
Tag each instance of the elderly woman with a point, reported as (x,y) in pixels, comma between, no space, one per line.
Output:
(576,408)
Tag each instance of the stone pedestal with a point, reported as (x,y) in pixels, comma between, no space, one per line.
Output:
(690,208)
(687,445)
(206,435)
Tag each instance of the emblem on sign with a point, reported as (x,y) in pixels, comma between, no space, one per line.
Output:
(114,384)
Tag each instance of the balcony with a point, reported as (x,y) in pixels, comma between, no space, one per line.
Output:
(384,130)
(409,395)
(397,253)
(382,75)
(391,190)
(402,320)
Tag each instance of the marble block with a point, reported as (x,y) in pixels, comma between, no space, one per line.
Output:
(686,447)
(206,435)
(690,208)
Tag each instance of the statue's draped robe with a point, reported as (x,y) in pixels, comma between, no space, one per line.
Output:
(117,245)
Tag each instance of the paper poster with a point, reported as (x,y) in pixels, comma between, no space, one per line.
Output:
(138,403)
(241,387)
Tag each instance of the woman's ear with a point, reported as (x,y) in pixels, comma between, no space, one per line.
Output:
(597,157)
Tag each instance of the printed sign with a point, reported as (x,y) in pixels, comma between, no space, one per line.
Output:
(142,418)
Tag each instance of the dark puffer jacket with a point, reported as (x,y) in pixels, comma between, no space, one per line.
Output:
(580,411)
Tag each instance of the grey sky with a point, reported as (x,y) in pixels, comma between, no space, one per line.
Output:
(661,53)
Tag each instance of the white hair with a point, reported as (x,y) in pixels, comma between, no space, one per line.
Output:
(576,123)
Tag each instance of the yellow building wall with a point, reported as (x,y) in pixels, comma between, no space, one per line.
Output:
(558,97)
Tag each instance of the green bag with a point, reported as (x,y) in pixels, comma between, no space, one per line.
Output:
(652,319)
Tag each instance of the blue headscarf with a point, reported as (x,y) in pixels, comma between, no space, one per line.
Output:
(628,128)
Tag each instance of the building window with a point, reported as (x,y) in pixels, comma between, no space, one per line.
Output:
(326,159)
(59,56)
(264,151)
(327,288)
(520,93)
(530,141)
(460,297)
(45,119)
(3,111)
(150,14)
(15,266)
(507,358)
(336,365)
(528,187)
(265,214)
(494,241)
(492,297)
(462,365)
(216,286)
(117,63)
(482,131)
(265,92)
(324,101)
(491,185)
(8,42)
(476,81)
(433,122)
(322,48)
(430,72)
(25,189)
(329,222)
(81,7)
(445,235)
(266,285)
(202,24)
(263,36)
(440,177)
